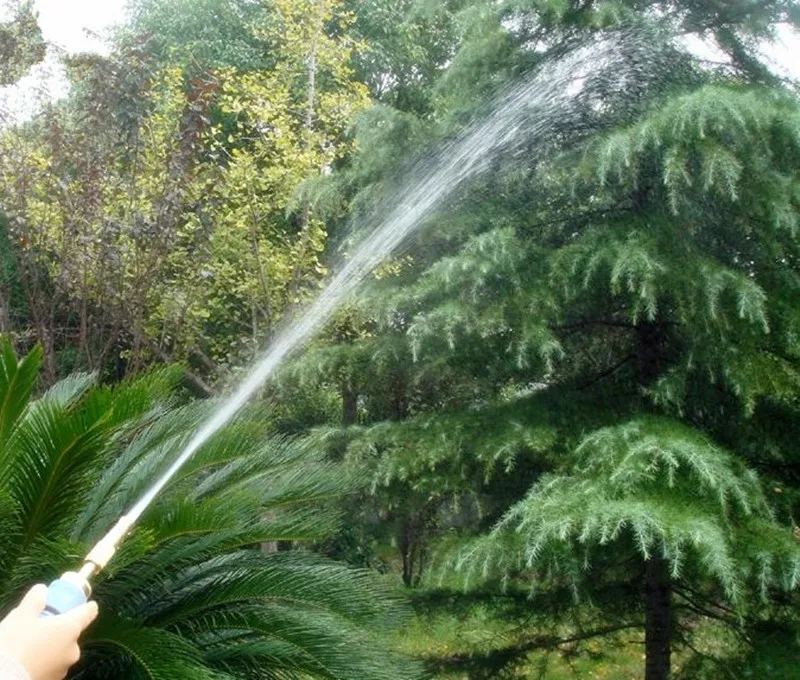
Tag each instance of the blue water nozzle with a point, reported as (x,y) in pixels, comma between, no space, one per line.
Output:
(65,594)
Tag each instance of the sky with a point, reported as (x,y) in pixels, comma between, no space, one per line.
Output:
(67,25)
(78,26)
(786,52)
(63,22)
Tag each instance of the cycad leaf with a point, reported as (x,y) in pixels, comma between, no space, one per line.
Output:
(65,391)
(54,457)
(159,654)
(170,595)
(17,379)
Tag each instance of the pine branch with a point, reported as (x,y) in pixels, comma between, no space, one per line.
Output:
(695,594)
(588,323)
(608,372)
(697,608)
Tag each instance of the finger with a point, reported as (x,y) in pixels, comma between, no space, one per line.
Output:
(34,601)
(83,616)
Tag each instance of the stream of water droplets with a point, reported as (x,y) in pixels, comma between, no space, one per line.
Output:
(529,111)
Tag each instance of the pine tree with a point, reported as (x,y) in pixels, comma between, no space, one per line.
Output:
(621,313)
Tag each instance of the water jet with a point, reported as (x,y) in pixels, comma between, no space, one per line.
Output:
(532,112)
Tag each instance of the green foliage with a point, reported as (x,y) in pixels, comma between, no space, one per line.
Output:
(207,32)
(406,46)
(21,43)
(670,489)
(159,209)
(592,348)
(190,594)
(580,361)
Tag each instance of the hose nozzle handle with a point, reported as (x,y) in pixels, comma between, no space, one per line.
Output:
(65,594)
(73,589)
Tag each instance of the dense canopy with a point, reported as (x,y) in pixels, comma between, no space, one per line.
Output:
(561,419)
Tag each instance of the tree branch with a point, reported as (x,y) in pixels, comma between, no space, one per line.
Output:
(191,377)
(608,372)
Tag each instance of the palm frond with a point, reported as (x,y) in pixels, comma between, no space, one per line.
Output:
(17,379)
(157,653)
(66,391)
(190,593)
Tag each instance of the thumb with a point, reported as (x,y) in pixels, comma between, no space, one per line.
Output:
(34,601)
(83,616)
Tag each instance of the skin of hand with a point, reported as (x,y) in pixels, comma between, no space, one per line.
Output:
(45,647)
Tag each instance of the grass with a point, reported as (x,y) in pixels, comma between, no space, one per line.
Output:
(492,636)
(439,635)
(465,638)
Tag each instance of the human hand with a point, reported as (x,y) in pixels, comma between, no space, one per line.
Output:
(45,647)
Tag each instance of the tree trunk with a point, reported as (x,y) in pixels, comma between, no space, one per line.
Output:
(5,314)
(399,406)
(422,559)
(83,332)
(263,279)
(48,346)
(349,404)
(412,545)
(209,364)
(192,378)
(311,94)
(648,352)
(658,619)
(407,552)
(41,304)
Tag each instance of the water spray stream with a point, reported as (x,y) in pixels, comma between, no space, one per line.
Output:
(527,113)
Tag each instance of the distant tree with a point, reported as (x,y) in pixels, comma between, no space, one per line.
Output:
(21,43)
(199,34)
(155,211)
(406,45)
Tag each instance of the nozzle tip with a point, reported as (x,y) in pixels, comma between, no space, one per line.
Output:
(88,570)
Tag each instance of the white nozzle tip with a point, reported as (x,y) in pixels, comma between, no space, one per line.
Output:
(102,553)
